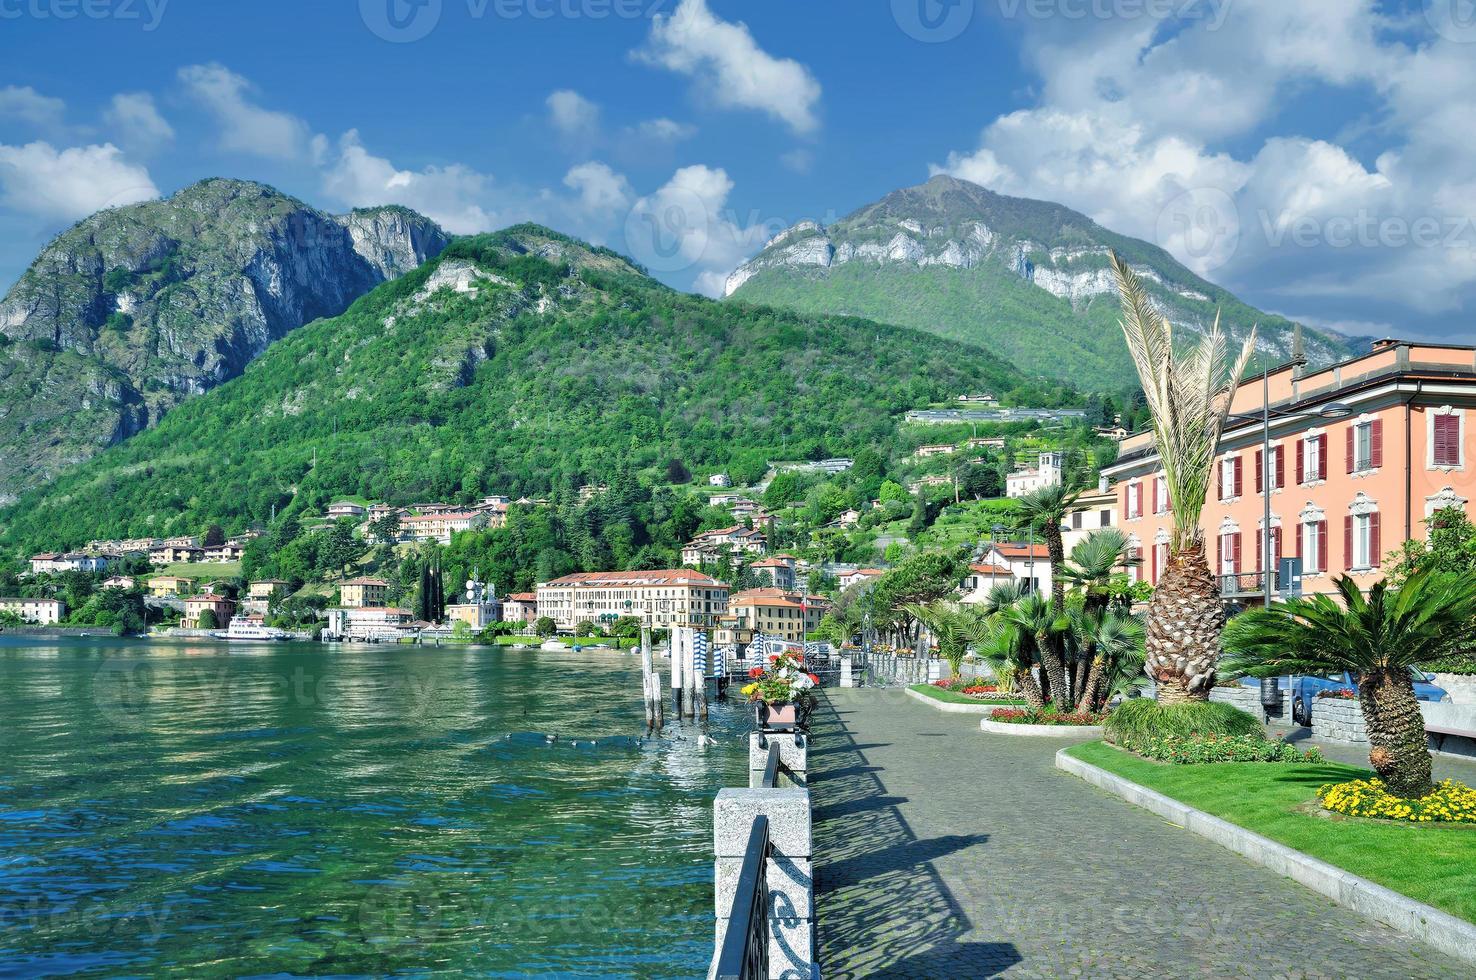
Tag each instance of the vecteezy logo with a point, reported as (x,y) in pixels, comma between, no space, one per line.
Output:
(668,231)
(933,21)
(1200,227)
(124,689)
(400,21)
(1454,20)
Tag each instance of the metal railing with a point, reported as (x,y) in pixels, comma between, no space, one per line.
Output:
(744,954)
(1246,584)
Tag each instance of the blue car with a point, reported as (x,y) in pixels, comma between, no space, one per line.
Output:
(1304,690)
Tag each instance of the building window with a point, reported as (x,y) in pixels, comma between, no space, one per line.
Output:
(1275,477)
(1365,445)
(1160,495)
(1230,476)
(1314,546)
(1230,553)
(1160,559)
(1312,458)
(1361,545)
(1135,500)
(1445,435)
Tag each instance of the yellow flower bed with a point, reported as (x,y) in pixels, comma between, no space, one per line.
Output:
(1450,802)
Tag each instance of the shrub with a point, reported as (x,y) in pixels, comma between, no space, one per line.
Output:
(1140,718)
(1045,716)
(1200,749)
(1450,801)
(1460,663)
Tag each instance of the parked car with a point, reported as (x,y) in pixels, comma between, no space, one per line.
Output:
(1304,690)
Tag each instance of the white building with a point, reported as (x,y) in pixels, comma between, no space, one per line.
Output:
(1046,473)
(440,526)
(54,564)
(1028,565)
(847,579)
(660,598)
(345,508)
(42,612)
(1091,512)
(719,480)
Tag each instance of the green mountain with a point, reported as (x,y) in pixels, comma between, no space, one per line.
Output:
(136,309)
(1028,280)
(517,363)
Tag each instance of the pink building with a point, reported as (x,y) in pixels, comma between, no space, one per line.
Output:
(1345,491)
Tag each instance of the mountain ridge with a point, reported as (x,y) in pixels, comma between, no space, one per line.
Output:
(135,309)
(1006,273)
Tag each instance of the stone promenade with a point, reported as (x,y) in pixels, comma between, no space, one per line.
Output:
(943,853)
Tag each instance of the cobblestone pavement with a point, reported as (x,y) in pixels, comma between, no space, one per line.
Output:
(944,853)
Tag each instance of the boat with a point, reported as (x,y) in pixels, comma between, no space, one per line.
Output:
(251,628)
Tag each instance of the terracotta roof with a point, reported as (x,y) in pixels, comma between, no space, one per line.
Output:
(991,570)
(1023,550)
(524,597)
(210,597)
(775,597)
(365,581)
(869,571)
(661,576)
(770,563)
(453,515)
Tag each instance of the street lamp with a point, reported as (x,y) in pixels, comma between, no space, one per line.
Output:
(1331,412)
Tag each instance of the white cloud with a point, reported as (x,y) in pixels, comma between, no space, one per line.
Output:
(728,66)
(245,127)
(1167,132)
(684,227)
(71,183)
(454,196)
(601,190)
(137,122)
(25,104)
(572,114)
(662,130)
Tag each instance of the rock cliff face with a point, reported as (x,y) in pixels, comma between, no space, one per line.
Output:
(1029,279)
(135,309)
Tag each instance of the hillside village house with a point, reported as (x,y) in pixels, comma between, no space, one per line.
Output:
(982,399)
(927,452)
(49,563)
(168,586)
(719,480)
(222,553)
(979,442)
(520,607)
(197,605)
(440,526)
(981,580)
(710,545)
(168,553)
(1027,565)
(346,508)
(661,598)
(363,593)
(1046,473)
(39,612)
(847,579)
(729,500)
(773,612)
(119,582)
(779,570)
(1345,491)
(123,546)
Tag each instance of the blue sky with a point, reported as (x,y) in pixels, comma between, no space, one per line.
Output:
(1314,156)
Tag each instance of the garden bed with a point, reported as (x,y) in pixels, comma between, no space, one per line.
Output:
(954,702)
(1025,726)
(1431,863)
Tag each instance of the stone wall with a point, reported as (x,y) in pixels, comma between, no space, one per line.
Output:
(1338,720)
(1247,699)
(1462,687)
(888,670)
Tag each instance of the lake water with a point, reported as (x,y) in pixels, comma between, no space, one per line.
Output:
(198,809)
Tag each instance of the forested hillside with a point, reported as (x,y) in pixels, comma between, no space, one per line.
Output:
(517,363)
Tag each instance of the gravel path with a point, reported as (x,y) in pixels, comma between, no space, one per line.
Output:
(946,853)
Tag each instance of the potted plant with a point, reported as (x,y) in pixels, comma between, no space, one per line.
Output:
(780,692)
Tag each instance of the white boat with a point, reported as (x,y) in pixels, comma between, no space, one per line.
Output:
(242,628)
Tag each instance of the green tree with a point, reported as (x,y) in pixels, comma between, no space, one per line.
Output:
(214,536)
(1380,638)
(544,627)
(207,620)
(917,580)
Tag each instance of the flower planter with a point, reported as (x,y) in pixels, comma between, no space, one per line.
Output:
(781,717)
(1039,731)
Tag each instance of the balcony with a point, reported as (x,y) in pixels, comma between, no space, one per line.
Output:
(1246,584)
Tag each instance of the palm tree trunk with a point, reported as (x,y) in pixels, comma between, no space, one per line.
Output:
(1396,731)
(1088,698)
(1183,631)
(1055,669)
(1025,681)
(1056,552)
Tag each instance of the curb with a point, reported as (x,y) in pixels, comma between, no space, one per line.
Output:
(1452,936)
(1038,731)
(954,707)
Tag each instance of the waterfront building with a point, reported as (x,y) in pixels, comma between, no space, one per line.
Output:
(39,612)
(198,605)
(660,598)
(369,622)
(520,607)
(1345,491)
(259,595)
(776,613)
(1046,473)
(363,593)
(479,607)
(1092,511)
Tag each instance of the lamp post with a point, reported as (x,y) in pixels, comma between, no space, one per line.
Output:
(1331,412)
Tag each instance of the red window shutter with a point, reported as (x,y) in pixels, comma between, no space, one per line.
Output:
(1153,570)
(1280,467)
(1322,546)
(1259,556)
(1220,481)
(1237,476)
(1447,440)
(1301,461)
(1348,541)
(1375,553)
(1260,473)
(1350,448)
(1220,565)
(1376,443)
(1235,552)
(1322,457)
(1297,543)
(1275,546)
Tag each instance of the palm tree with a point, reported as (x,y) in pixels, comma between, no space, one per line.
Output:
(1380,639)
(1094,561)
(1048,506)
(1189,398)
(1112,646)
(956,626)
(1036,626)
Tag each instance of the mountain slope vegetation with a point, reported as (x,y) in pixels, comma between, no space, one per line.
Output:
(517,362)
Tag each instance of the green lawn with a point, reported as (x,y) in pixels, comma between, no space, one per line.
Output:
(1431,863)
(953,697)
(209,570)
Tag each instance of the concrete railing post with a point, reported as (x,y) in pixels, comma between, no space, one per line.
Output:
(845,673)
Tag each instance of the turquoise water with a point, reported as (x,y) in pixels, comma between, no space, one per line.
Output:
(192,809)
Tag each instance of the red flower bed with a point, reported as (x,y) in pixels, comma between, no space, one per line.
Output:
(1045,716)
(1341,694)
(982,689)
